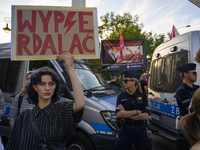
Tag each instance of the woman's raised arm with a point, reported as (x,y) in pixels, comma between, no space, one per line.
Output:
(77,88)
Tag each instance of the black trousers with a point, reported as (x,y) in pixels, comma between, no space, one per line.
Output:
(133,133)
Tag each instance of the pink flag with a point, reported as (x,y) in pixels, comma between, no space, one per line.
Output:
(121,46)
(174,32)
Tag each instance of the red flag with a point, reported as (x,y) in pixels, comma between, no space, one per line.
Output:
(174,32)
(121,46)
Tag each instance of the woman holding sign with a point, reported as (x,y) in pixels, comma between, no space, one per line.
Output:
(50,123)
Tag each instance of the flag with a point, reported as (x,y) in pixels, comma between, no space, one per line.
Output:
(174,32)
(121,46)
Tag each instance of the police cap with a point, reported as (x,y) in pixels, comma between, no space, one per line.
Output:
(113,74)
(132,74)
(186,67)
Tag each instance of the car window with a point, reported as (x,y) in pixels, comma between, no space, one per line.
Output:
(167,73)
(156,80)
(3,63)
(180,58)
(9,71)
(164,76)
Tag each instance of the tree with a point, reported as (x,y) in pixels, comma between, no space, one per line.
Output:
(130,28)
(114,25)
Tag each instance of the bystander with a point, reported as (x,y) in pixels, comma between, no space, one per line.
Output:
(114,80)
(20,102)
(143,83)
(2,112)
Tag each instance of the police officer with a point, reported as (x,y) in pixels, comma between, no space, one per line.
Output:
(184,95)
(114,80)
(132,112)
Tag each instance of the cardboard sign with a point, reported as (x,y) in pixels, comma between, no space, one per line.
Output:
(134,55)
(43,32)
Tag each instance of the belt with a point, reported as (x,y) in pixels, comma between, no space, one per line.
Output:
(134,122)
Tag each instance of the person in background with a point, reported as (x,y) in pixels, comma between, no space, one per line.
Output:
(56,120)
(190,124)
(146,79)
(132,112)
(114,80)
(20,102)
(2,112)
(184,95)
(197,59)
(143,83)
(2,105)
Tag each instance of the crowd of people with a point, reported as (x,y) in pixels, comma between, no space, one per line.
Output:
(41,91)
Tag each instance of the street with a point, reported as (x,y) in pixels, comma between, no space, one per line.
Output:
(159,143)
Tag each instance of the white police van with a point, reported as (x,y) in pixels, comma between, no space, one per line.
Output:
(97,129)
(164,79)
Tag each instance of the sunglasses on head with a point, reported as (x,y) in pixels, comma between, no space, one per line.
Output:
(28,72)
(194,73)
(125,80)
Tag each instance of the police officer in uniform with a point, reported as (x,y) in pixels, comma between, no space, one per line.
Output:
(132,112)
(114,80)
(184,95)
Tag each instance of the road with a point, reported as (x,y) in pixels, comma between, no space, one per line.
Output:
(159,143)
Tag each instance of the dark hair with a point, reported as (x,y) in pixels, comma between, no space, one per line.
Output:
(32,95)
(190,123)
(182,74)
(113,77)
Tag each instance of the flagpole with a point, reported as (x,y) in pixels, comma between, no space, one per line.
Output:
(125,56)
(122,50)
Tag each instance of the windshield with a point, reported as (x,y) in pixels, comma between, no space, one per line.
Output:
(88,77)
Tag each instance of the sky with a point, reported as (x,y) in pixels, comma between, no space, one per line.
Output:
(157,16)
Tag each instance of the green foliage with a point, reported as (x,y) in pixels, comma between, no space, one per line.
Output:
(169,34)
(128,25)
(114,25)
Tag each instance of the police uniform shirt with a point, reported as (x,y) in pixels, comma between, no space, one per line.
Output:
(115,84)
(183,97)
(125,99)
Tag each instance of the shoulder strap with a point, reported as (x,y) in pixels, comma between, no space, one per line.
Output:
(36,129)
(19,103)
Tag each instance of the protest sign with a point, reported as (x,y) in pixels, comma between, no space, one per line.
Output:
(133,57)
(43,32)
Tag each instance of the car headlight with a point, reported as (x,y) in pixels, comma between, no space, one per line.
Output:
(111,119)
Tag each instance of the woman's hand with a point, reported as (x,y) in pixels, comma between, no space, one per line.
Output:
(139,112)
(121,107)
(69,58)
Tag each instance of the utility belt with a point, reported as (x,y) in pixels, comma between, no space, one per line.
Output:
(133,122)
(123,122)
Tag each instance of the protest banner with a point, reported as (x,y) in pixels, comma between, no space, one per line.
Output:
(133,57)
(43,32)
